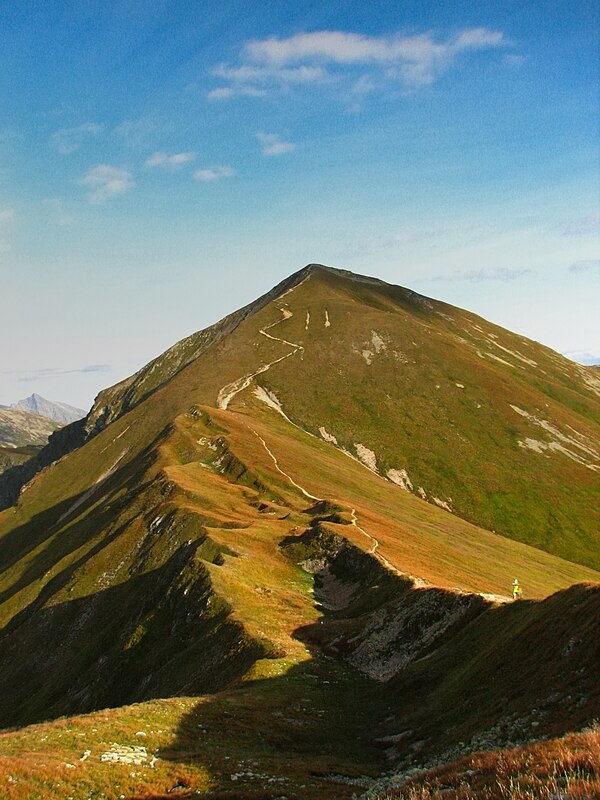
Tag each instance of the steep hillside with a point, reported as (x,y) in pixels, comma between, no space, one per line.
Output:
(14,456)
(59,412)
(564,767)
(498,429)
(271,538)
(22,428)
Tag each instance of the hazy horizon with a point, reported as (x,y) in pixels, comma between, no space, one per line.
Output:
(164,165)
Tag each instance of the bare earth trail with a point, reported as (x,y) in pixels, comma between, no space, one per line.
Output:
(230,390)
(374,543)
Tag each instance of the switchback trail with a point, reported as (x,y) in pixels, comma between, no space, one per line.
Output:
(229,391)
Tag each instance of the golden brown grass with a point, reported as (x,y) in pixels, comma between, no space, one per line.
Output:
(416,537)
(558,769)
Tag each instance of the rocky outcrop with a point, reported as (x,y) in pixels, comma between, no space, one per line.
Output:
(19,428)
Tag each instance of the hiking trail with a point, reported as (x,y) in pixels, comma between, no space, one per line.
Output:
(229,391)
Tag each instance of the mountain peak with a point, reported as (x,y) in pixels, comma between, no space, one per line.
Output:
(59,412)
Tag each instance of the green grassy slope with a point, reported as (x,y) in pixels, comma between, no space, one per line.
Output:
(186,549)
(499,429)
(512,446)
(155,570)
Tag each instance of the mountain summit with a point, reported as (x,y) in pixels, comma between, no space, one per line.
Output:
(59,412)
(317,505)
(460,412)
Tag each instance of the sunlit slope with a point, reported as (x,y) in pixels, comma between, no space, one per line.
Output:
(415,537)
(166,567)
(177,576)
(497,428)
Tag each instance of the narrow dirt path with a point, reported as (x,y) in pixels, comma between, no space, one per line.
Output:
(374,548)
(229,391)
(374,543)
(304,491)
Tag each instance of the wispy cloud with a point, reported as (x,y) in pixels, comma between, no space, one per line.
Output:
(173,161)
(265,73)
(138,132)
(586,265)
(273,144)
(477,275)
(67,140)
(413,61)
(584,226)
(212,174)
(105,181)
(375,244)
(225,92)
(29,375)
(514,60)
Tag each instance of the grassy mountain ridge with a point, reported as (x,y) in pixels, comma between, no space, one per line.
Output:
(418,368)
(445,384)
(268,522)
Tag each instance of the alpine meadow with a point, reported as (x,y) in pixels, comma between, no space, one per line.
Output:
(277,554)
(342,543)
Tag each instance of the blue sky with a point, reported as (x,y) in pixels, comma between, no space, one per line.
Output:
(163,163)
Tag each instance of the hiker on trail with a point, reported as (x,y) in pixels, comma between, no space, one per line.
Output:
(517,591)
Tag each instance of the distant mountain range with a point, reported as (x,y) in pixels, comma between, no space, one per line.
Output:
(19,428)
(59,412)
(26,426)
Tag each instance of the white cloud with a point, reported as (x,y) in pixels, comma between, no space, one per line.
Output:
(250,80)
(211,174)
(514,60)
(248,73)
(225,92)
(273,145)
(105,181)
(172,161)
(587,265)
(137,132)
(30,375)
(67,140)
(416,60)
